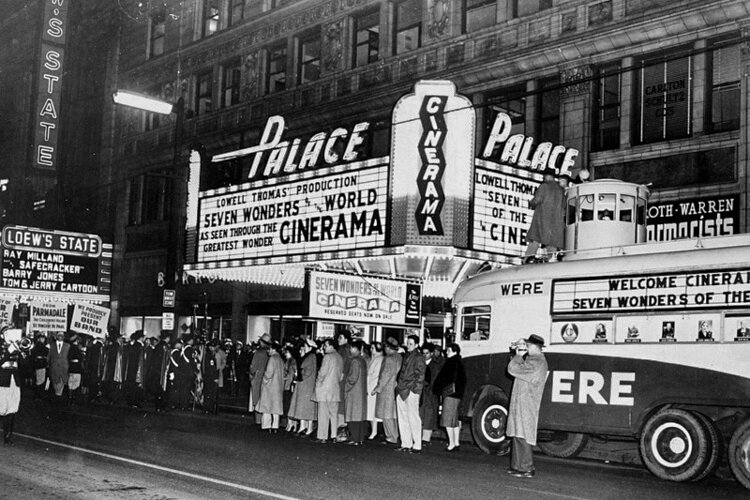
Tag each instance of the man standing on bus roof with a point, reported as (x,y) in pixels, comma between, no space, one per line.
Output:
(530,373)
(547,224)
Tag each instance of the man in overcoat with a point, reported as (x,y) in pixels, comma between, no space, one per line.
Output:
(548,222)
(355,394)
(328,391)
(58,364)
(409,390)
(257,370)
(385,390)
(530,373)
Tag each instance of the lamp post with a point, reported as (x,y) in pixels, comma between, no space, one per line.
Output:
(149,104)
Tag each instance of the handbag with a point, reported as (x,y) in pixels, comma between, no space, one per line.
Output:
(449,390)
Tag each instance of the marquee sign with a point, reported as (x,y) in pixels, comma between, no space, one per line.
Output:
(55,264)
(678,291)
(326,213)
(693,218)
(362,299)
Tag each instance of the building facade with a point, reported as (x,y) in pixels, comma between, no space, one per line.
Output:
(646,91)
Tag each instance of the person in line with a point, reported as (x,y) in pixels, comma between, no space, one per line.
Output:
(39,353)
(373,372)
(211,378)
(302,407)
(132,359)
(10,386)
(270,405)
(343,340)
(547,224)
(409,390)
(355,393)
(75,369)
(290,377)
(58,365)
(328,391)
(450,383)
(256,371)
(530,373)
(385,403)
(429,402)
(112,366)
(179,389)
(221,363)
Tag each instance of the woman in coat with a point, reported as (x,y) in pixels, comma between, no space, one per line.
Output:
(303,408)
(450,383)
(270,404)
(385,403)
(290,377)
(355,395)
(373,372)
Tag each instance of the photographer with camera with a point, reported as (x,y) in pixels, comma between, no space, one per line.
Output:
(10,384)
(529,368)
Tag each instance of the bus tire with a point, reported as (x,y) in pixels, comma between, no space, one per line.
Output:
(675,445)
(488,423)
(567,445)
(715,447)
(739,454)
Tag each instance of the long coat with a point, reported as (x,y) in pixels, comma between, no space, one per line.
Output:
(548,223)
(373,372)
(272,392)
(355,390)
(328,383)
(526,397)
(58,363)
(257,369)
(428,407)
(451,372)
(411,376)
(385,403)
(303,407)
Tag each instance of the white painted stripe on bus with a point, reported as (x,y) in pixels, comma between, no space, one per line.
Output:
(199,477)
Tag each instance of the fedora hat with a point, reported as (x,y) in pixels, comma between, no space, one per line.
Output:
(392,343)
(265,339)
(535,339)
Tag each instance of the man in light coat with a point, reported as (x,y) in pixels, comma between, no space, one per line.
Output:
(58,364)
(328,391)
(530,373)
(257,370)
(409,389)
(385,390)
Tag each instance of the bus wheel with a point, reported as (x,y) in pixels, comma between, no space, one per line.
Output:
(715,446)
(488,423)
(675,445)
(739,454)
(564,445)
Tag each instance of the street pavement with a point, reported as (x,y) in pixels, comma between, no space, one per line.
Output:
(102,452)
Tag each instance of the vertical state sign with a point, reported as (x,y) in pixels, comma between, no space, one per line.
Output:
(49,87)
(432,157)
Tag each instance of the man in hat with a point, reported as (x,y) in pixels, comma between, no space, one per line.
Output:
(75,368)
(257,370)
(58,364)
(328,391)
(385,403)
(530,373)
(547,224)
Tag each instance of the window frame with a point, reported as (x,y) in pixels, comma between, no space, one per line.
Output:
(549,87)
(234,7)
(303,65)
(215,18)
(735,86)
(493,100)
(472,311)
(203,97)
(397,31)
(279,47)
(356,44)
(231,80)
(157,33)
(479,9)
(601,107)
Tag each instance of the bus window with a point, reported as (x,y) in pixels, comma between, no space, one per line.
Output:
(605,207)
(587,207)
(571,217)
(641,212)
(627,204)
(475,323)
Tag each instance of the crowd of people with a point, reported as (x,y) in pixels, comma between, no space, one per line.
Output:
(333,390)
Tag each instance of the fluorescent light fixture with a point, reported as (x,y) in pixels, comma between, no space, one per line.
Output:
(139,101)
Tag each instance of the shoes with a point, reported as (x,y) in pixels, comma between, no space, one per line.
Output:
(415,452)
(426,443)
(321,441)
(385,441)
(527,475)
(401,448)
(354,443)
(511,470)
(372,437)
(454,449)
(529,260)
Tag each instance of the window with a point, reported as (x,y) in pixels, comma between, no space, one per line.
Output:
(148,199)
(156,33)
(152,120)
(203,92)
(479,14)
(548,111)
(276,68)
(211,17)
(475,323)
(723,110)
(663,98)
(366,39)
(134,204)
(236,11)
(408,24)
(607,108)
(309,59)
(526,7)
(512,102)
(230,84)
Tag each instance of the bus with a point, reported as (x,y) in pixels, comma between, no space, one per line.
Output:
(645,341)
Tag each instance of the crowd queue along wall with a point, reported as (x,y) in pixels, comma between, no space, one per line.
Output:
(643,340)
